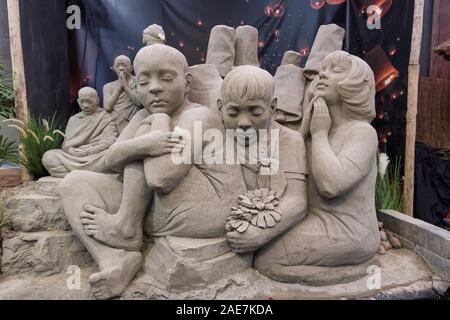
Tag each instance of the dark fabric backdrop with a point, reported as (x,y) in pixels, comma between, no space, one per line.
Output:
(113,27)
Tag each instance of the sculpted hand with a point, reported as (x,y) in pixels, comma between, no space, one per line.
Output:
(249,241)
(123,81)
(160,143)
(321,120)
(305,128)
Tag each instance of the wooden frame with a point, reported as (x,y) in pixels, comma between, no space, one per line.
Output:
(411,115)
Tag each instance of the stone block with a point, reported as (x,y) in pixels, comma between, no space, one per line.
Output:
(436,263)
(48,186)
(33,212)
(419,232)
(42,253)
(181,263)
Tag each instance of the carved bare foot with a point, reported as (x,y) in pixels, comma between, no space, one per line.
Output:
(106,229)
(112,281)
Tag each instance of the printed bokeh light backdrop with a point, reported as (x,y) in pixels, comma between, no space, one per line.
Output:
(114,27)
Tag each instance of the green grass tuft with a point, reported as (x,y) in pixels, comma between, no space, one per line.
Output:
(389,188)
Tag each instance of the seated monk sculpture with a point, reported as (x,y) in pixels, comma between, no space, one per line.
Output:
(340,233)
(248,104)
(88,135)
(120,96)
(155,194)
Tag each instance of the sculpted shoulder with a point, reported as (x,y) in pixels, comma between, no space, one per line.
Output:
(111,85)
(198,112)
(363,131)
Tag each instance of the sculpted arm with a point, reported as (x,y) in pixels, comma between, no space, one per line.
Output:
(111,95)
(128,148)
(162,173)
(293,206)
(334,174)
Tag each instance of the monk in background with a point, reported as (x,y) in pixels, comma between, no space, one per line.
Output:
(88,135)
(121,100)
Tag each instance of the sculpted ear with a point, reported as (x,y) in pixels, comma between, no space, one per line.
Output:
(220,105)
(189,80)
(274,105)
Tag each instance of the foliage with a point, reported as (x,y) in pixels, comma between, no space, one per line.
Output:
(8,153)
(37,137)
(2,214)
(7,108)
(389,187)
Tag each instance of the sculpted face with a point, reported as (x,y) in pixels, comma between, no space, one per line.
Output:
(333,71)
(162,85)
(247,114)
(122,64)
(88,100)
(247,101)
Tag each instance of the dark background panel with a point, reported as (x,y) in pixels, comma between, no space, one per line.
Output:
(44,40)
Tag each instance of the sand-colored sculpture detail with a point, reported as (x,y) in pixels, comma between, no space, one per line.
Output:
(310,220)
(121,100)
(109,215)
(273,203)
(221,48)
(88,136)
(154,34)
(246,46)
(206,85)
(341,228)
(294,86)
(229,47)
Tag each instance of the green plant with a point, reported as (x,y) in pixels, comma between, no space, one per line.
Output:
(389,186)
(37,137)
(7,108)
(2,214)
(8,153)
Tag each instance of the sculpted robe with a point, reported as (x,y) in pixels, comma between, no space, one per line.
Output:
(93,134)
(124,109)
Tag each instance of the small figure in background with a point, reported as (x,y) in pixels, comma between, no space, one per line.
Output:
(154,34)
(121,100)
(88,135)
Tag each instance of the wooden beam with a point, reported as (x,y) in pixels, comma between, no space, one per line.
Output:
(411,115)
(18,69)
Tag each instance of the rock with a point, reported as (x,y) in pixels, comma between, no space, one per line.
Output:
(395,242)
(56,287)
(398,270)
(381,250)
(383,236)
(48,186)
(380,225)
(42,253)
(404,275)
(33,212)
(387,246)
(179,263)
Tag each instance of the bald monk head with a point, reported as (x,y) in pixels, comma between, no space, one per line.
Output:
(123,65)
(88,100)
(163,81)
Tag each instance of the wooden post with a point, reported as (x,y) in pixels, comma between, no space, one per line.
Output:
(411,115)
(18,69)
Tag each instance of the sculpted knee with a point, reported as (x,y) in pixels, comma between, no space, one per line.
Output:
(49,160)
(269,256)
(72,180)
